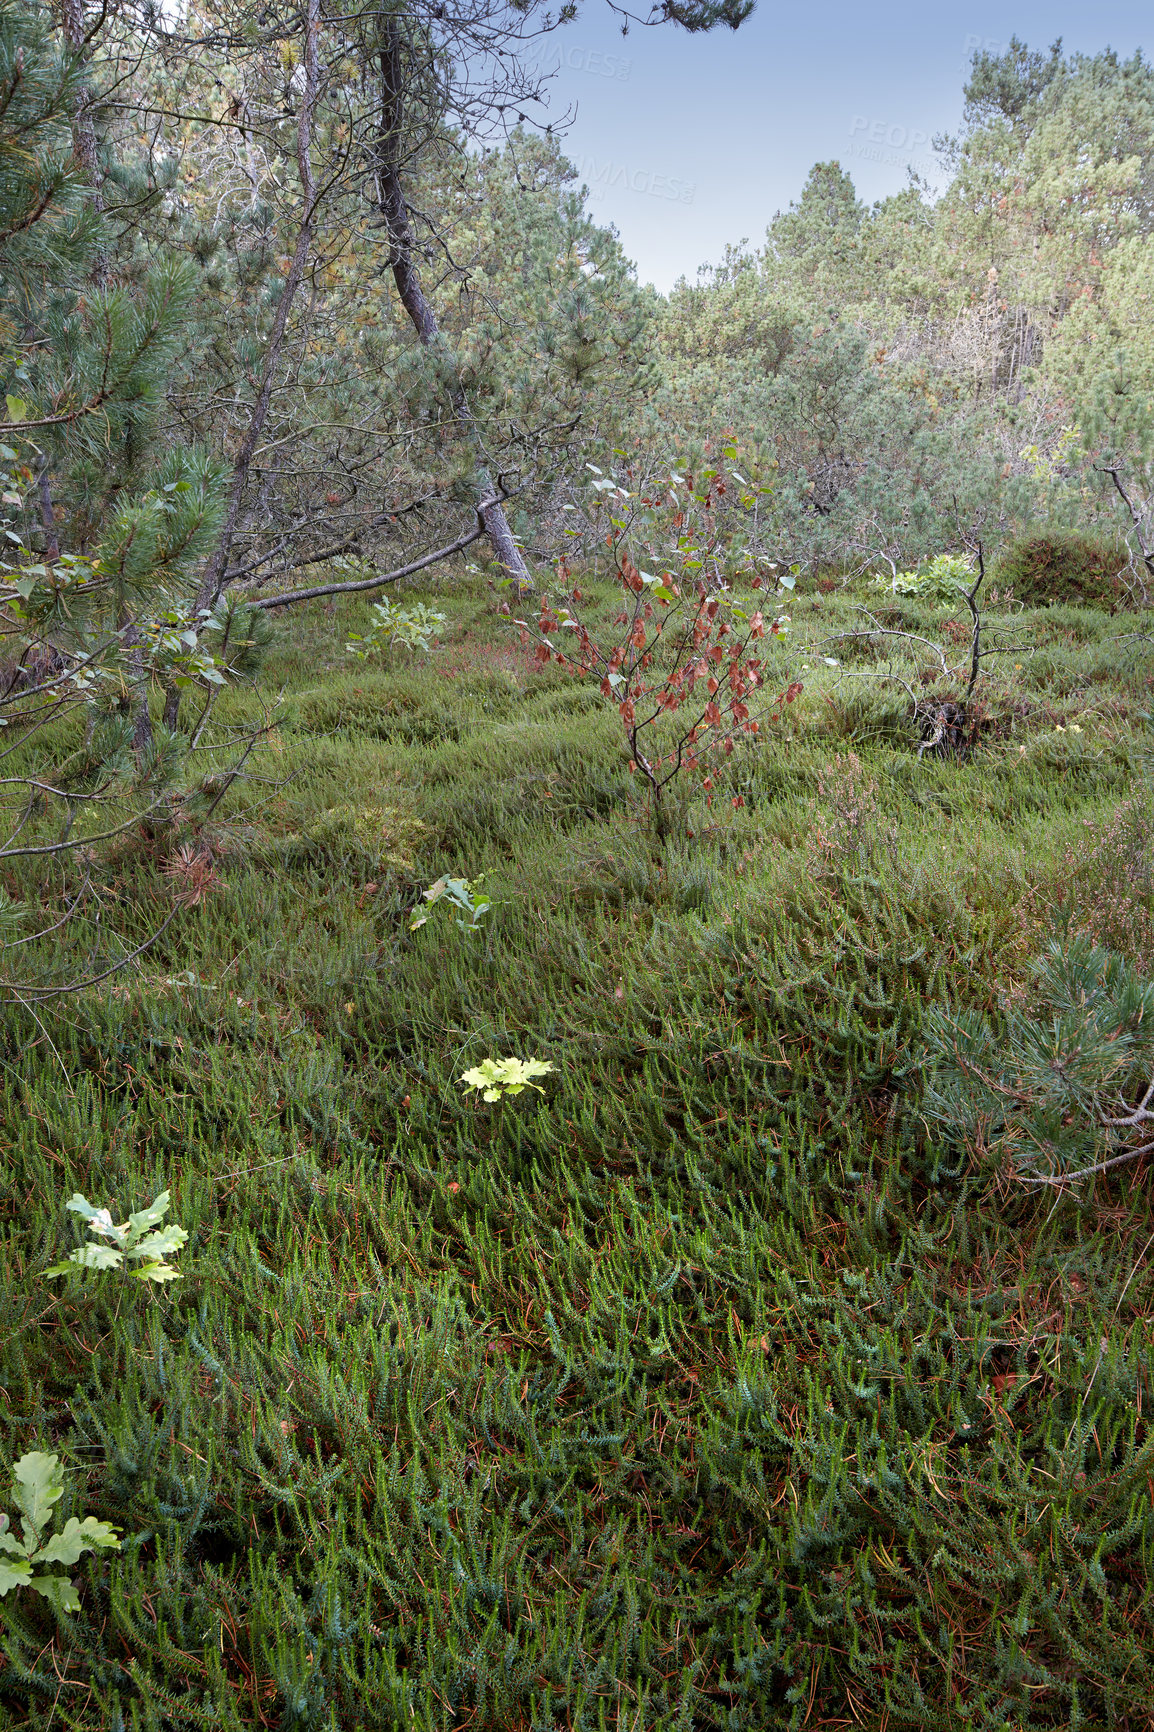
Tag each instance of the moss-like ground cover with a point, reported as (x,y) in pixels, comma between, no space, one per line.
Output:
(705,1391)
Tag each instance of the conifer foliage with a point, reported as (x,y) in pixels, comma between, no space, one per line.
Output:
(1063,1085)
(103,531)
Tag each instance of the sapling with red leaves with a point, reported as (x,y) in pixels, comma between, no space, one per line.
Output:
(680,660)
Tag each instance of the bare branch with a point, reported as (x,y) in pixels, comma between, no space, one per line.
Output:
(362,584)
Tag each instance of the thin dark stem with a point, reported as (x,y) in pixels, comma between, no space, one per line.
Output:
(971,596)
(362,584)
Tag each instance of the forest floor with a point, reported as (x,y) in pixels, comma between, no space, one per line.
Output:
(705,1389)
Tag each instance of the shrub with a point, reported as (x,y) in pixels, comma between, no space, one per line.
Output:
(1074,569)
(944,578)
(413,628)
(38,1484)
(678,660)
(1060,1084)
(142,1239)
(494,1078)
(464,895)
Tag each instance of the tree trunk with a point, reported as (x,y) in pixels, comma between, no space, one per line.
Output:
(213,581)
(86,148)
(394,208)
(47,515)
(84,143)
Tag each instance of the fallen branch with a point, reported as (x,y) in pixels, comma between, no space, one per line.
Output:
(366,583)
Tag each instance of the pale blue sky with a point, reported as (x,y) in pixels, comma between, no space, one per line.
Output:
(689,143)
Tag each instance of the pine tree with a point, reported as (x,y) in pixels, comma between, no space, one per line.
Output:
(1063,1087)
(102,535)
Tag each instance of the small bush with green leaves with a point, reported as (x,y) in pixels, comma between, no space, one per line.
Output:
(412,628)
(141,1240)
(496,1077)
(943,579)
(463,894)
(38,1486)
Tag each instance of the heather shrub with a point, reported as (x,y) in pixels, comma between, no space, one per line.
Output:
(1042,569)
(1111,882)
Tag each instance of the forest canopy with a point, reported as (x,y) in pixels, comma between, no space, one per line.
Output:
(403,332)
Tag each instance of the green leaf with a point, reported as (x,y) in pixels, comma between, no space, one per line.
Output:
(156,1272)
(90,1257)
(143,1219)
(14,1576)
(40,1484)
(75,1538)
(17,408)
(497,1076)
(58,1591)
(9,1542)
(99,1219)
(161,1243)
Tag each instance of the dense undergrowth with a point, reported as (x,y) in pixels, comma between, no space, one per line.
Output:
(709,1390)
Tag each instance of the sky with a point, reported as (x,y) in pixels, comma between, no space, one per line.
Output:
(690,143)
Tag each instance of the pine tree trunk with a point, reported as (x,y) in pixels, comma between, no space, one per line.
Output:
(83,126)
(213,581)
(84,143)
(394,208)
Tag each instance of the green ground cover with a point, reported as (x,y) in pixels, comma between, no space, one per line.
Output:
(710,1388)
